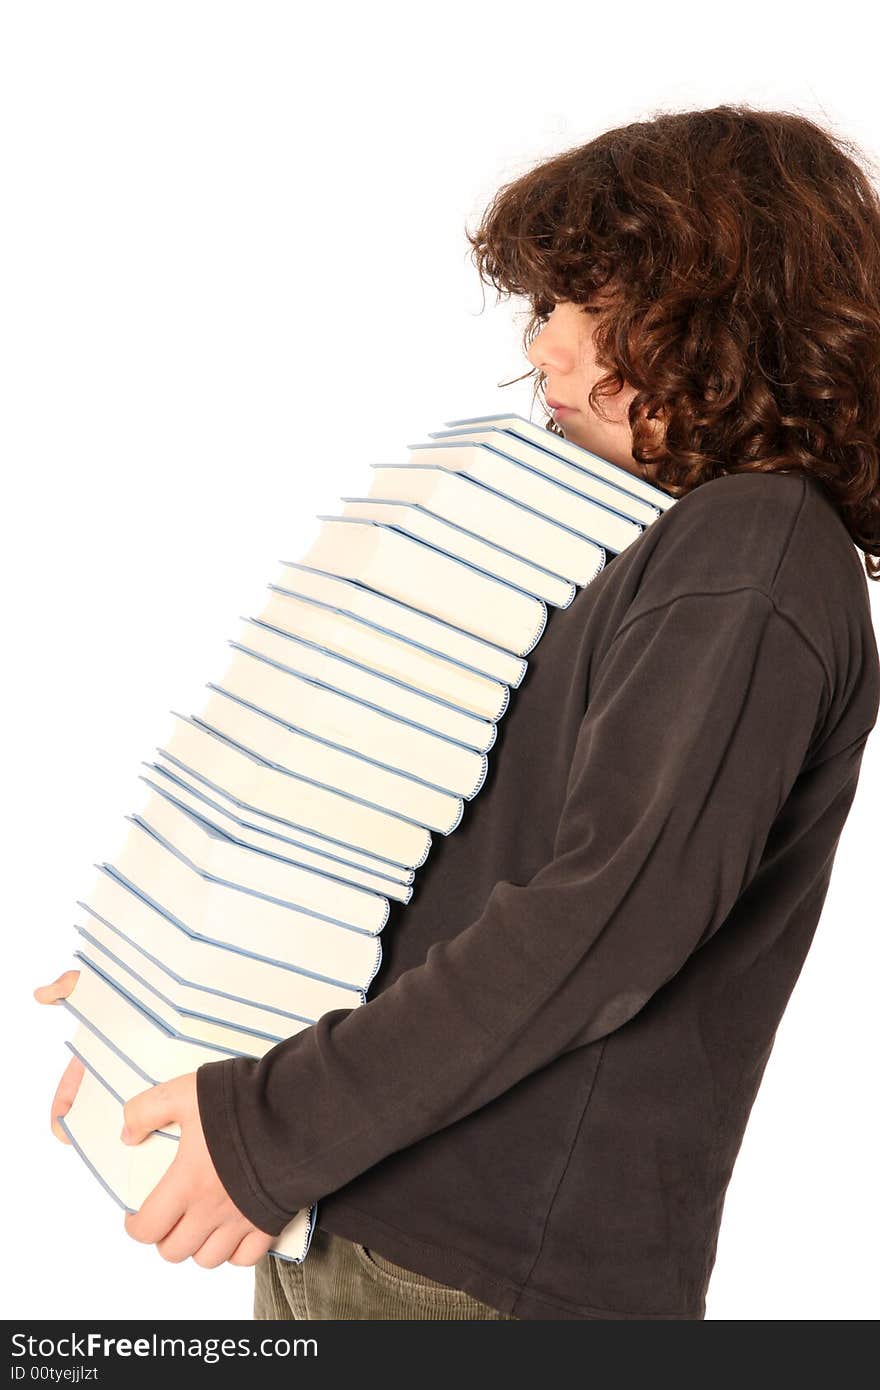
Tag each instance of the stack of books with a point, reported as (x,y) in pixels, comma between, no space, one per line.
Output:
(355,719)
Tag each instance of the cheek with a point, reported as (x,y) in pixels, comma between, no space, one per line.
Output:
(615,408)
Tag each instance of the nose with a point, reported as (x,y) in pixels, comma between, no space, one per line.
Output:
(547,352)
(541,349)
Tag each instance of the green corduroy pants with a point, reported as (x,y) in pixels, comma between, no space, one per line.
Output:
(340,1279)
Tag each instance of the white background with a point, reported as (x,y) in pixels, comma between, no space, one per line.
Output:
(233,274)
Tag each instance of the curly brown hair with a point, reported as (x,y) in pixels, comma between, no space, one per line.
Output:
(743,250)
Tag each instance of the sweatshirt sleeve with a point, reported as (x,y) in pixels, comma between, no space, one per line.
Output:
(700,716)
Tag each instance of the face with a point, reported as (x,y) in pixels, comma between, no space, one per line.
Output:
(564,353)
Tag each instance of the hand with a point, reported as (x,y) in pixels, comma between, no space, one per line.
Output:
(68,1086)
(189,1211)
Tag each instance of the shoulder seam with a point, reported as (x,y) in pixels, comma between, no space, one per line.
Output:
(722,593)
(795,519)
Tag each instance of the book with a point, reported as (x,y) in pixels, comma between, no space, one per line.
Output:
(570,507)
(355,720)
(516,429)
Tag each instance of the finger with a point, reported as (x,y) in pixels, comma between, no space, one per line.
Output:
(251,1249)
(186,1237)
(149,1110)
(220,1245)
(58,989)
(160,1210)
(65,1095)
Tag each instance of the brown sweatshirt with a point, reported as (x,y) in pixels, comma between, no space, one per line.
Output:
(543,1098)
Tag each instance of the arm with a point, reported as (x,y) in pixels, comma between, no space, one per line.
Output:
(699,720)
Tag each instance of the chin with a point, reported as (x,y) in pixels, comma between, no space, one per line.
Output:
(572,436)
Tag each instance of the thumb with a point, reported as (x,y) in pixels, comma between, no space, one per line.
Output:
(146,1111)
